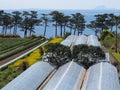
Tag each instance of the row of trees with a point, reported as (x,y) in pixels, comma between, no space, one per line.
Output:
(12,21)
(104,22)
(27,21)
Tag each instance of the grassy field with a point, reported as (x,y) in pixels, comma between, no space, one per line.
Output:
(13,70)
(109,43)
(116,55)
(6,43)
(13,46)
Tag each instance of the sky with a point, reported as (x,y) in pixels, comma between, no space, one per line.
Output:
(58,4)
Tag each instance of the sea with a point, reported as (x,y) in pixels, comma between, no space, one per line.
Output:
(88,15)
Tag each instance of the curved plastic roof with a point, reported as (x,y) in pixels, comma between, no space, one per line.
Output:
(31,78)
(93,40)
(101,76)
(81,40)
(68,77)
(68,41)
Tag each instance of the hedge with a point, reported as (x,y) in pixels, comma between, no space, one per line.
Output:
(87,55)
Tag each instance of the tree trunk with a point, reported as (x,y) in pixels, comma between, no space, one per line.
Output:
(102,28)
(5,30)
(15,30)
(30,32)
(64,30)
(111,28)
(96,33)
(74,31)
(61,30)
(10,30)
(56,30)
(45,29)
(81,32)
(70,30)
(78,32)
(25,33)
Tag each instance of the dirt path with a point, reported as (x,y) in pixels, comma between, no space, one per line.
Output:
(73,42)
(16,55)
(113,60)
(47,80)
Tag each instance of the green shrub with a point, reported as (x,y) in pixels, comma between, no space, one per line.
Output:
(109,42)
(87,55)
(106,33)
(96,52)
(58,54)
(79,48)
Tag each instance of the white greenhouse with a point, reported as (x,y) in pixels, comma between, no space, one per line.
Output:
(101,76)
(68,77)
(32,78)
(93,40)
(81,40)
(69,40)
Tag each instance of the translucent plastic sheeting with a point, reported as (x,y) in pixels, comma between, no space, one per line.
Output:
(93,40)
(68,77)
(31,78)
(68,41)
(81,40)
(102,76)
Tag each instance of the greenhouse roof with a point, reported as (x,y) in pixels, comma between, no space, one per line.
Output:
(101,76)
(82,39)
(32,78)
(93,40)
(68,77)
(69,40)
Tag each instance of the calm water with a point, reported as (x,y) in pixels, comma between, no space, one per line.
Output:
(89,16)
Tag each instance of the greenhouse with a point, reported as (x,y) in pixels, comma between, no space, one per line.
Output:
(32,78)
(81,40)
(101,76)
(93,40)
(68,77)
(69,40)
